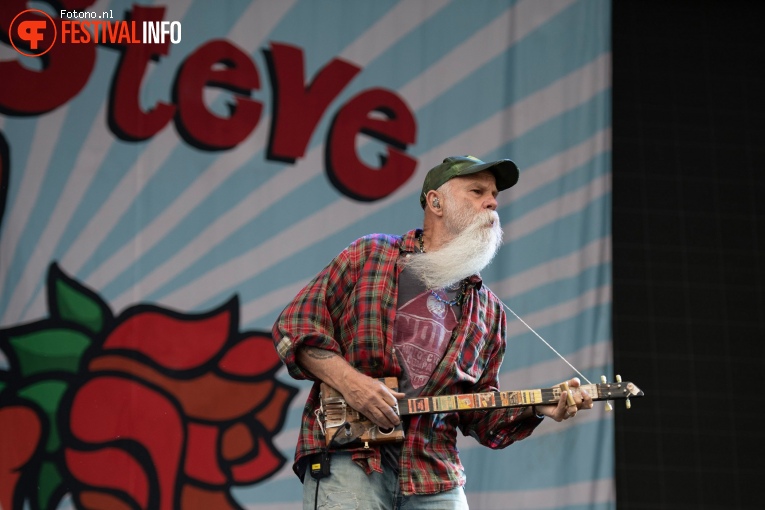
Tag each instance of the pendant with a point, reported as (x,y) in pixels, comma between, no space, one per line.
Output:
(435,306)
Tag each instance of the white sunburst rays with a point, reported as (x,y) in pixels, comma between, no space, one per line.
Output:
(591,255)
(206,242)
(340,214)
(548,171)
(128,189)
(32,177)
(488,43)
(219,171)
(589,494)
(249,33)
(232,272)
(47,131)
(482,138)
(269,193)
(90,157)
(290,178)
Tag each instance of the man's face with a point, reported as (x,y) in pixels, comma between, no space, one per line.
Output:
(467,197)
(473,232)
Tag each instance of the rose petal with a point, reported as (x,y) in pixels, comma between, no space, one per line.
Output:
(253,356)
(202,454)
(110,409)
(208,397)
(20,431)
(267,461)
(109,468)
(272,416)
(173,343)
(197,498)
(237,442)
(92,499)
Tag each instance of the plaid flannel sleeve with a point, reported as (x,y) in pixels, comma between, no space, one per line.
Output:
(308,320)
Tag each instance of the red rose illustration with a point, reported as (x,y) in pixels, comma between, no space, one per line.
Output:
(176,410)
(152,409)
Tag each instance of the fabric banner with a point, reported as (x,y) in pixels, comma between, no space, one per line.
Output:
(174,171)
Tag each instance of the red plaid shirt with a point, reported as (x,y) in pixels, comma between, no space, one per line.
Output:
(349,308)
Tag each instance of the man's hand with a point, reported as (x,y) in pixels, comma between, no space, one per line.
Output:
(563,411)
(371,398)
(368,396)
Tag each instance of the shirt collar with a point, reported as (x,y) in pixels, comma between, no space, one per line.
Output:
(410,243)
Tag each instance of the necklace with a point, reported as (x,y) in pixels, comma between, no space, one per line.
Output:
(451,302)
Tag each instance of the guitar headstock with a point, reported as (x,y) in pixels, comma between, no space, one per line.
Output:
(617,390)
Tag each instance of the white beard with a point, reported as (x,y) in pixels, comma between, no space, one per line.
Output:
(470,250)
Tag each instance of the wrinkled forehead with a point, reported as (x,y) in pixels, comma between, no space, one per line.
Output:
(484,178)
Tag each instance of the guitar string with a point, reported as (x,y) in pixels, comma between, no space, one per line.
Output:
(609,406)
(545,342)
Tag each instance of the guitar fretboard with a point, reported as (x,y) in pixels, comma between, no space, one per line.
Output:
(490,400)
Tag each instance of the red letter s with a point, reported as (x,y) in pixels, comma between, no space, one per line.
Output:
(25,91)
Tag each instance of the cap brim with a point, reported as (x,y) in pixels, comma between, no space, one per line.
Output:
(505,172)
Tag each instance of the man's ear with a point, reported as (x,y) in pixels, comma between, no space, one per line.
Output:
(433,201)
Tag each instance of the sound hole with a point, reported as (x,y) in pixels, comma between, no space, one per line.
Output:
(384,432)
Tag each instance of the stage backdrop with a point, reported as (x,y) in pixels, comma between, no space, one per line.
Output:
(163,201)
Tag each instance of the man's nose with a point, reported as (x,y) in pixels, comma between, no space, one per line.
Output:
(491,203)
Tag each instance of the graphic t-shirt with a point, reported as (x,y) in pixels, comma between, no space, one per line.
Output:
(422,331)
(421,335)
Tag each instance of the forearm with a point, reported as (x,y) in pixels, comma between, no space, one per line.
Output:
(367,395)
(327,366)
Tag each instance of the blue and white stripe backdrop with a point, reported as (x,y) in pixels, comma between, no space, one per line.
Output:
(160,220)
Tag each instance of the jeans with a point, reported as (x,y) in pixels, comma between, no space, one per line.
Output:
(349,488)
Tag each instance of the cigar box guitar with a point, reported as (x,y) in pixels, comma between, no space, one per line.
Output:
(343,426)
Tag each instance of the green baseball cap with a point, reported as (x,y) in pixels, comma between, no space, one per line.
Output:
(505,172)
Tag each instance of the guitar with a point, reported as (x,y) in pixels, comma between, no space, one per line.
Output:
(343,426)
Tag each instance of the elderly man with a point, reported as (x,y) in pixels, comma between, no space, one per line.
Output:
(411,307)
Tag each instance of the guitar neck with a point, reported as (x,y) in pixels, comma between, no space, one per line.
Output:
(502,399)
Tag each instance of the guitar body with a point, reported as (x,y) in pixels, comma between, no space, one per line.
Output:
(346,427)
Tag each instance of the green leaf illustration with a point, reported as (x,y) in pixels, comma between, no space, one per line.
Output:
(50,480)
(47,394)
(71,301)
(49,350)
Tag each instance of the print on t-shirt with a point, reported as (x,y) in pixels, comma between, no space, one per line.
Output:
(423,328)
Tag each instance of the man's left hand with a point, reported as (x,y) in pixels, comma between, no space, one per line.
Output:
(564,411)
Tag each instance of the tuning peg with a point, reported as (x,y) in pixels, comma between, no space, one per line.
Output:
(627,402)
(609,407)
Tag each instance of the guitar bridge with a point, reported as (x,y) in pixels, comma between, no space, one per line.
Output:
(335,411)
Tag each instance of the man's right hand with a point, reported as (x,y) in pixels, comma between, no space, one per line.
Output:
(371,398)
(365,394)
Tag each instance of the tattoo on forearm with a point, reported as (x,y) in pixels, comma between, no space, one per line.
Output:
(316,353)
